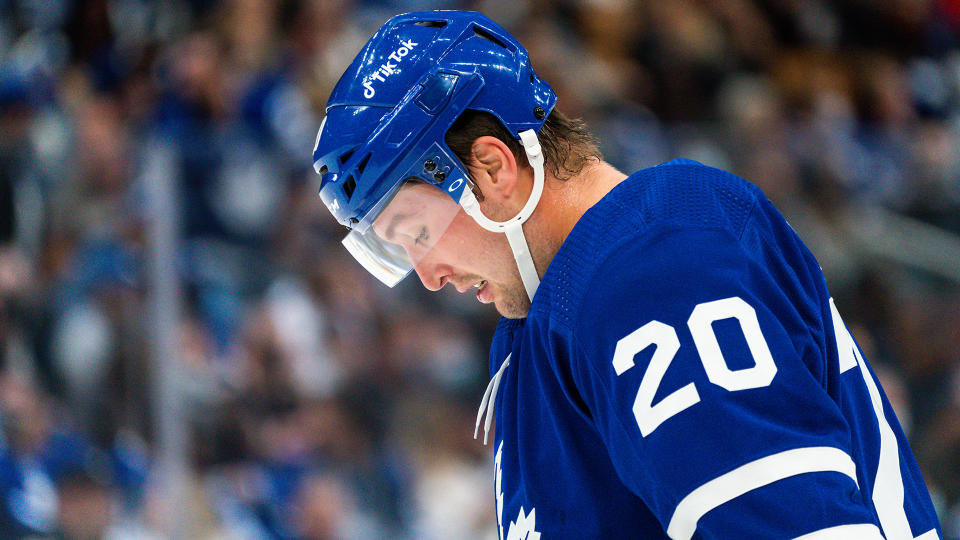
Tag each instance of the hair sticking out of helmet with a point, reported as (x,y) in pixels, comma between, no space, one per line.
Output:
(387,117)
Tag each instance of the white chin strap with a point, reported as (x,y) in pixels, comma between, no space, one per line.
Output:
(513,228)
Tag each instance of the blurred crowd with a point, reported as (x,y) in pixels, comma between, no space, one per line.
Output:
(319,404)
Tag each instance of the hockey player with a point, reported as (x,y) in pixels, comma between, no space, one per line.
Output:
(669,363)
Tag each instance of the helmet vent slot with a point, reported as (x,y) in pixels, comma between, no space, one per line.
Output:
(324,169)
(431,24)
(348,186)
(481,33)
(345,156)
(363,164)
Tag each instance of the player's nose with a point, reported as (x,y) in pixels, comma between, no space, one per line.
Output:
(433,276)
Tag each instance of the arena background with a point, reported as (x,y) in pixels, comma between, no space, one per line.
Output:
(187,352)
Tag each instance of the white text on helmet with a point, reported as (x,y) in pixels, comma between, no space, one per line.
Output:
(387,68)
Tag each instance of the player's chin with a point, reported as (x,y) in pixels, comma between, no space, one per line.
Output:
(513,304)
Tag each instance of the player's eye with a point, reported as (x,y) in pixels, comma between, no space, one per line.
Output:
(422,237)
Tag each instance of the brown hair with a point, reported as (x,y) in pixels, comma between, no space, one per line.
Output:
(567,144)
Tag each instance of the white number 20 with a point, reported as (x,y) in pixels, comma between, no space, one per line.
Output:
(649,415)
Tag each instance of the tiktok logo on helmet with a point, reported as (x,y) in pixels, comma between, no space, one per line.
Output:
(387,68)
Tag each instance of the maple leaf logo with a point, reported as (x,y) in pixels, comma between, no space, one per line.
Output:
(525,526)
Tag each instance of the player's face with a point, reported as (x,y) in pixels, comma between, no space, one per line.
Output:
(448,246)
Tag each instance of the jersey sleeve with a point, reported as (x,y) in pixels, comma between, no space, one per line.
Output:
(702,366)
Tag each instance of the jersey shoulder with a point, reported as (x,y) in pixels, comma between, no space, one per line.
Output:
(688,194)
(678,195)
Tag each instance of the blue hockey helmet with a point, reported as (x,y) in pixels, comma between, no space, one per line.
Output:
(387,117)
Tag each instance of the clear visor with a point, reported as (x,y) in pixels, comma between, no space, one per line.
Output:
(404,232)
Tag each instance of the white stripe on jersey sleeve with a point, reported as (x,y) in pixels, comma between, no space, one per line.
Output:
(860,531)
(888,493)
(753,475)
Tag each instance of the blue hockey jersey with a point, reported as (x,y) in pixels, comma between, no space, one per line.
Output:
(684,373)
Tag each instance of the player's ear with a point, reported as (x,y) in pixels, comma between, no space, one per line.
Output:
(494,169)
